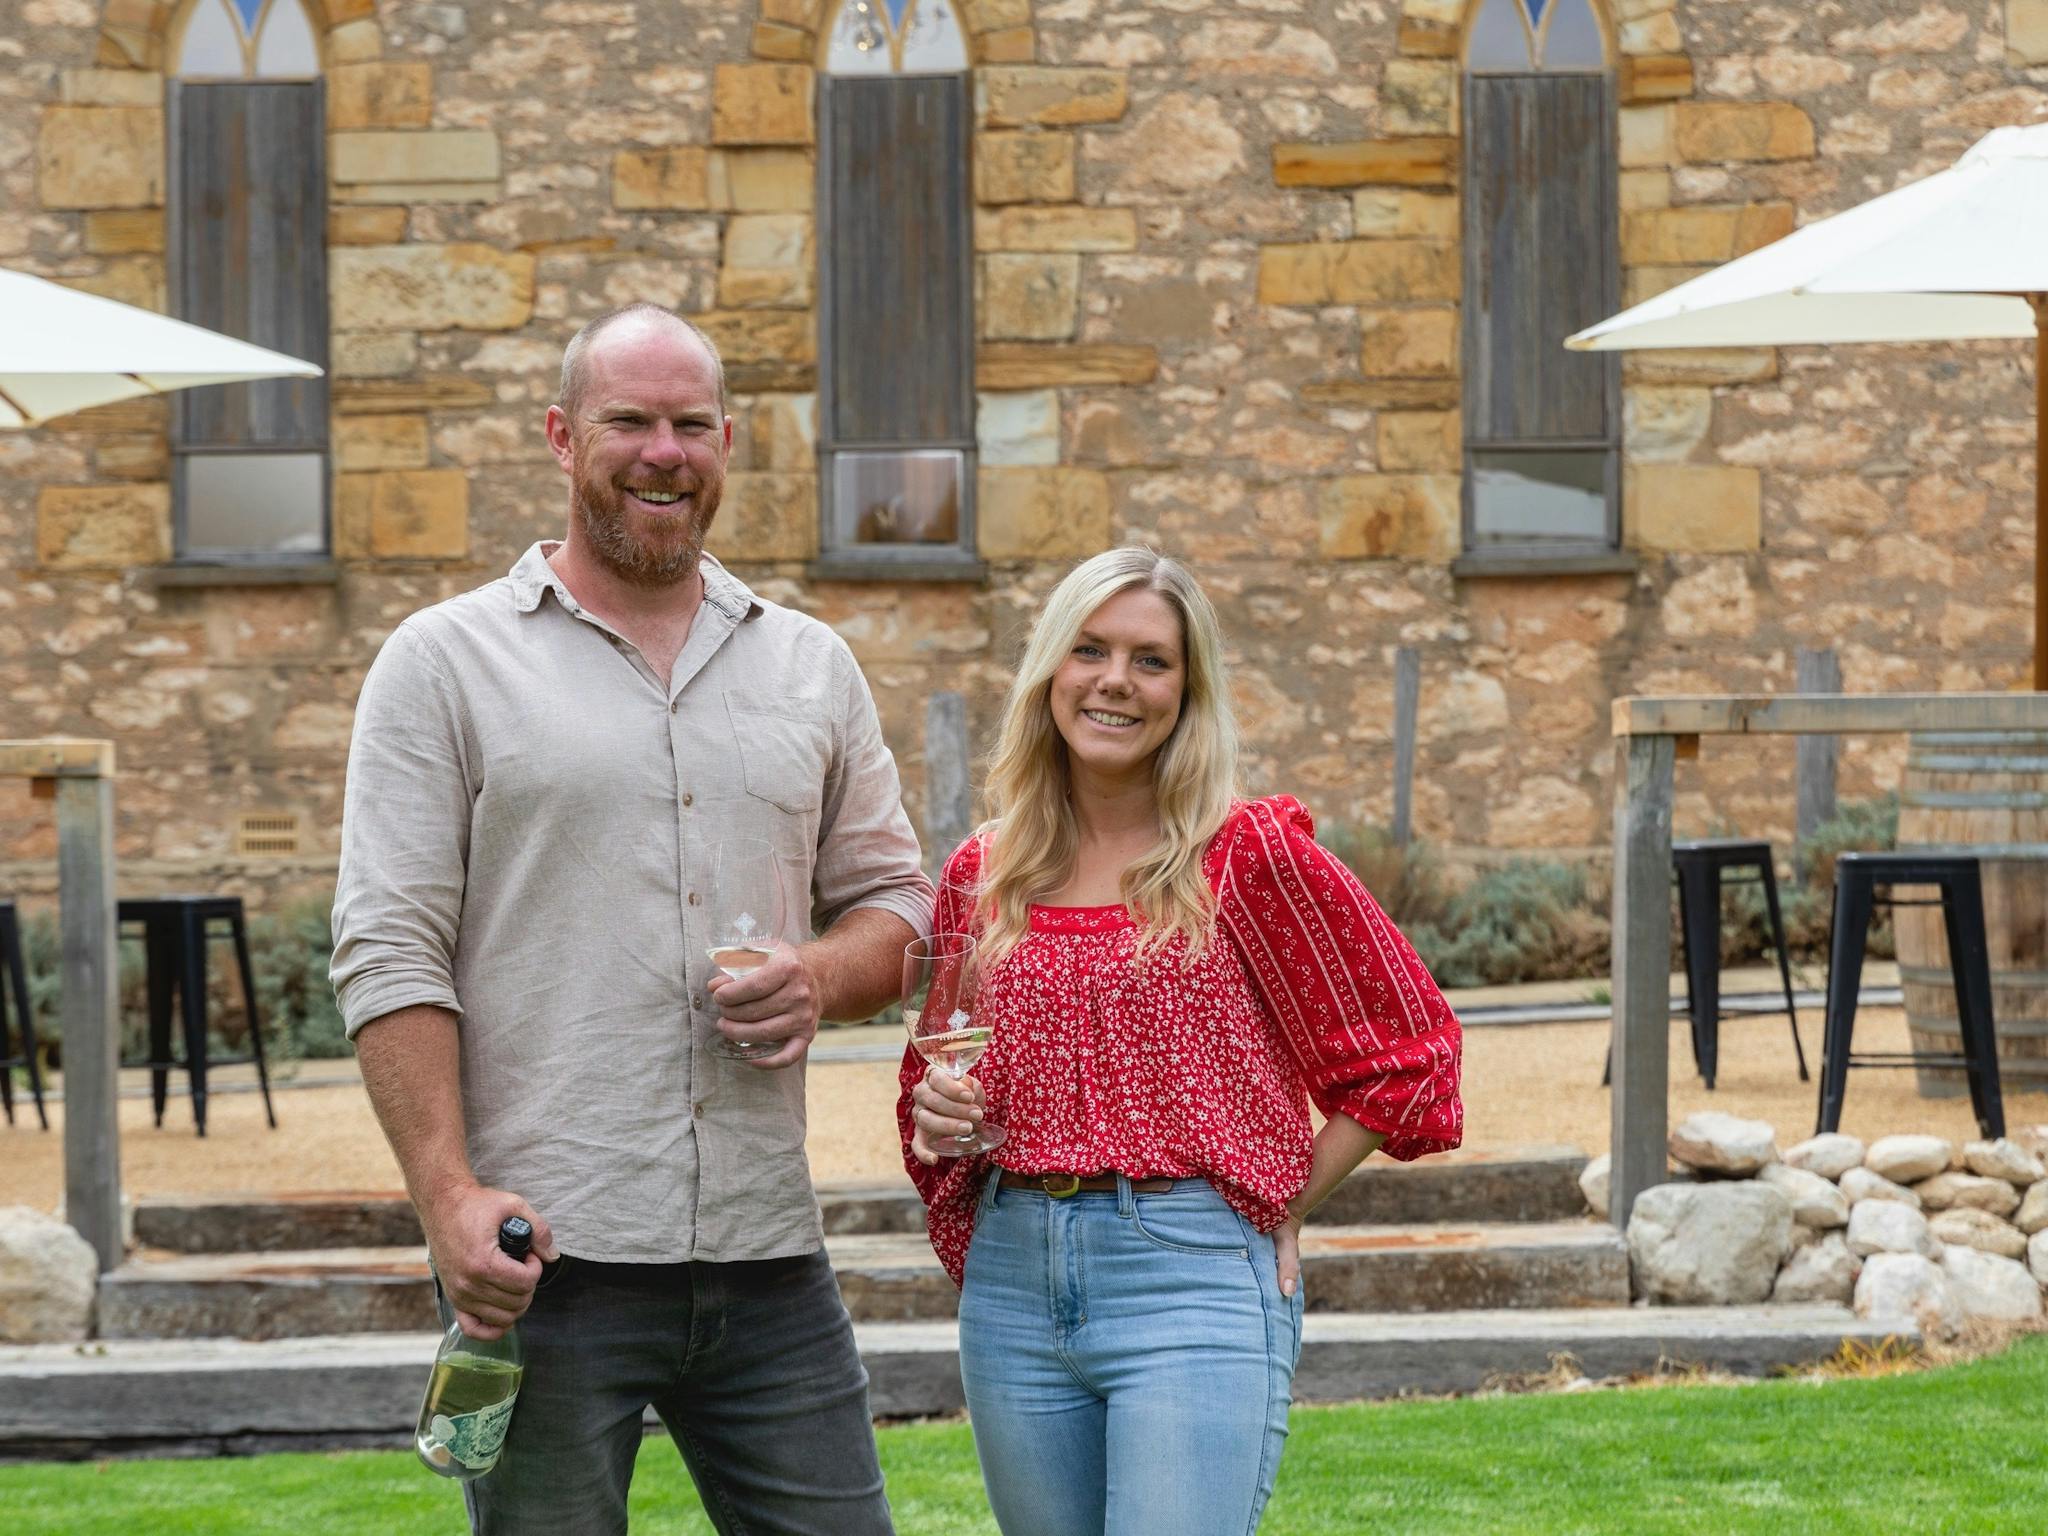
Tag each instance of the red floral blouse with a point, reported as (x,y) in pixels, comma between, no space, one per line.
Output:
(1307,991)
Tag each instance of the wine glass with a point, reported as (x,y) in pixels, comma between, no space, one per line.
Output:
(748,908)
(940,979)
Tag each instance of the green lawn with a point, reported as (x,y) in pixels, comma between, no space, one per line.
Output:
(1953,1450)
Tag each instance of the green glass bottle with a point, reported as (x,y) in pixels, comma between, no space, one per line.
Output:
(468,1406)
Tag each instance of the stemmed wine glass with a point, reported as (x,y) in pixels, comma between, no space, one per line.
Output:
(748,910)
(940,979)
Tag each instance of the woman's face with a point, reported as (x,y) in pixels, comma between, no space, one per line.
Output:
(1118,693)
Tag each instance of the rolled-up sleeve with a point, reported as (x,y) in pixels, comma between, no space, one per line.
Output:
(867,852)
(404,837)
(1371,1033)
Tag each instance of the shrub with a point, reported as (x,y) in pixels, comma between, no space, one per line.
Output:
(1862,826)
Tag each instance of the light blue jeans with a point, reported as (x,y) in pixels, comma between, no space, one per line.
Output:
(1127,1360)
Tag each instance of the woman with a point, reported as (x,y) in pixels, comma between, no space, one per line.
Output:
(1172,974)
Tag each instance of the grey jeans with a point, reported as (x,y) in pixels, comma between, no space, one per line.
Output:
(751,1366)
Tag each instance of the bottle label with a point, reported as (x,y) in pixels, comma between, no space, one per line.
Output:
(475,1439)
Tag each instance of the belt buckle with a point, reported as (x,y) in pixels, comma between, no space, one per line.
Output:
(1072,1184)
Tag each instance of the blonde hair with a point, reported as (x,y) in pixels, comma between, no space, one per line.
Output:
(1030,845)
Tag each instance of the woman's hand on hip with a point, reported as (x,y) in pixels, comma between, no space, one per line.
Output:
(942,1106)
(1287,1254)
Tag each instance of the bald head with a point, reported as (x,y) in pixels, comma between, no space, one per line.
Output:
(575,373)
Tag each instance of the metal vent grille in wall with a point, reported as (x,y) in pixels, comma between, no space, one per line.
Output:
(267,834)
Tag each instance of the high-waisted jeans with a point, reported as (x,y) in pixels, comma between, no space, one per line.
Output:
(1127,1360)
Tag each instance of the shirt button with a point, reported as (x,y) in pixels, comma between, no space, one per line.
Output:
(697,1002)
(695,898)
(689,799)
(697,1109)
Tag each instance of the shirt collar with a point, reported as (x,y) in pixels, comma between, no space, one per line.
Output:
(531,575)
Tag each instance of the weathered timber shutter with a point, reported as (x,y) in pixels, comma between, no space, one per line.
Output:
(1540,259)
(248,225)
(899,313)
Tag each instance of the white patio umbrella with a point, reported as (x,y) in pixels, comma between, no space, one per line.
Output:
(1959,256)
(62,350)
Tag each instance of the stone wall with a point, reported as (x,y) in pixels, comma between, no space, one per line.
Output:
(1218,289)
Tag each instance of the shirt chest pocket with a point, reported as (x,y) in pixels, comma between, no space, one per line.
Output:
(783,753)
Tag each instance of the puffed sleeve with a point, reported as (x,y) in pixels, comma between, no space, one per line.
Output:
(1370,1030)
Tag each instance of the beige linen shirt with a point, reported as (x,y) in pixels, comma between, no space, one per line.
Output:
(527,839)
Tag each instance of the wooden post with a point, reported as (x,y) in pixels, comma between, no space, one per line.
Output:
(948,778)
(1641,978)
(1819,672)
(1407,690)
(83,777)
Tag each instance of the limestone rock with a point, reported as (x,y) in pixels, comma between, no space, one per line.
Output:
(1718,1143)
(1862,1184)
(1594,1181)
(2031,1138)
(1968,1227)
(2037,1256)
(48,1277)
(1830,1154)
(1990,1287)
(1908,1159)
(1708,1244)
(2032,1215)
(1886,1226)
(1906,1285)
(1815,1201)
(1824,1270)
(1951,1189)
(2003,1159)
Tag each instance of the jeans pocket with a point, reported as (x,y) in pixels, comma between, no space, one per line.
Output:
(1198,1224)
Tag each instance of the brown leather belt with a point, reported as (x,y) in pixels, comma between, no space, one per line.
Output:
(1061,1185)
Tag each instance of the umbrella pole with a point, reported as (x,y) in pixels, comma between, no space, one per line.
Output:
(2040,303)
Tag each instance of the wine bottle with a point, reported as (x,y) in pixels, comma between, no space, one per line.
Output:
(468,1406)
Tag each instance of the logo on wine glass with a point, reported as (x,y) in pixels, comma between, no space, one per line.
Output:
(743,926)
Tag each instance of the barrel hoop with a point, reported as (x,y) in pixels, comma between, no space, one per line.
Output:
(1947,763)
(1975,800)
(2019,851)
(1941,976)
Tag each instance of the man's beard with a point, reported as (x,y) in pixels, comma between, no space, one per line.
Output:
(660,554)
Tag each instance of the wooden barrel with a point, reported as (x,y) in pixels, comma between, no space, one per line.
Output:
(1983,793)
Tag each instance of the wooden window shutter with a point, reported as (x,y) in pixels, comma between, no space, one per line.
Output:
(248,221)
(898,258)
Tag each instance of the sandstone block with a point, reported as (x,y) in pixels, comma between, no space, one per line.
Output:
(1726,1144)
(1968,1227)
(747,336)
(137,280)
(1390,517)
(1389,213)
(1706,366)
(125,232)
(450,155)
(1419,96)
(85,527)
(1023,168)
(431,392)
(766,516)
(997,15)
(417,514)
(383,95)
(773,40)
(1430,162)
(1815,1200)
(1012,45)
(1383,394)
(1708,132)
(355,42)
(1996,1289)
(1908,1285)
(429,288)
(1653,34)
(1029,297)
(1018,427)
(1056,229)
(1888,1226)
(132,456)
(1421,440)
(793,13)
(365,226)
(1027,365)
(1041,514)
(373,354)
(1823,1271)
(1665,425)
(762,180)
(111,88)
(1714,1244)
(661,178)
(2004,1159)
(100,157)
(1649,187)
(1646,136)
(1409,343)
(49,1277)
(1861,1184)
(1698,509)
(1946,1190)
(1358,272)
(1830,1154)
(380,442)
(1655,77)
(1908,1159)
(761,104)
(2026,31)
(768,261)
(1021,95)
(1701,233)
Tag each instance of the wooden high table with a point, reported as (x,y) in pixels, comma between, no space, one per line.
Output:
(79,776)
(1649,735)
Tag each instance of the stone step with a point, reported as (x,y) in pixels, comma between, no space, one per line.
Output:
(1517,1184)
(220,1397)
(885,1277)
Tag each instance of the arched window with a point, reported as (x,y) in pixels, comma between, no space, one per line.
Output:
(1542,425)
(896,452)
(248,256)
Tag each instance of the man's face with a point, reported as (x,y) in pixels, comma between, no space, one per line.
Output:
(645,451)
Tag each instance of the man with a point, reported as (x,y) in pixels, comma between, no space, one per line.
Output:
(542,773)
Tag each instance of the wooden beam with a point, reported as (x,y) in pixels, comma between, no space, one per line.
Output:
(56,758)
(1641,979)
(85,898)
(1846,714)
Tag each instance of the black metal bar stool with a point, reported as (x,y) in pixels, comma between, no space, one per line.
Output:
(1857,876)
(14,994)
(1701,869)
(174,934)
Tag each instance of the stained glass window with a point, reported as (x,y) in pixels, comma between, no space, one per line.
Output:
(1528,36)
(895,37)
(247,40)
